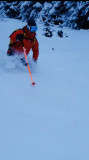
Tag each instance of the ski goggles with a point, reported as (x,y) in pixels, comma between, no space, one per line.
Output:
(32,29)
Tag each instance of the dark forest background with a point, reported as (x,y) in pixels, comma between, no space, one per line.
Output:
(74,14)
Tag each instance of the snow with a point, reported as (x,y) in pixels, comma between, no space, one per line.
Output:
(47,5)
(37,5)
(52,11)
(49,121)
(25,3)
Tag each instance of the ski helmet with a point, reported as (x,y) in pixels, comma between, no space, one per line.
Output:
(31,22)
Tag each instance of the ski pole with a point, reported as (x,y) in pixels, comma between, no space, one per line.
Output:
(24,49)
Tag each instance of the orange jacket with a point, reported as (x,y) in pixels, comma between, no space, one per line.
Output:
(29,41)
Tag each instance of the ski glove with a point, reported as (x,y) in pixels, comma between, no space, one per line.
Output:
(19,37)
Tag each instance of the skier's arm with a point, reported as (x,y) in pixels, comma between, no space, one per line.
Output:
(14,35)
(35,49)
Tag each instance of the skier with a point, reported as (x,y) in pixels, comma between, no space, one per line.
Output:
(26,37)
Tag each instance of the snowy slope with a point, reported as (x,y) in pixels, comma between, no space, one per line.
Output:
(49,121)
